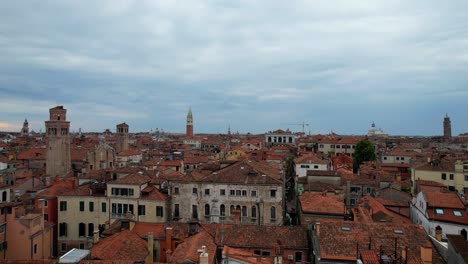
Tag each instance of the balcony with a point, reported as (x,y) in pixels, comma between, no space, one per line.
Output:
(123,216)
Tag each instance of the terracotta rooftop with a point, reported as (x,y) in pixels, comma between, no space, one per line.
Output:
(129,152)
(124,246)
(132,179)
(317,203)
(33,154)
(341,240)
(245,172)
(310,158)
(152,193)
(187,251)
(444,200)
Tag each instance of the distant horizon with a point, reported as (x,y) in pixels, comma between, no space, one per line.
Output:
(255,66)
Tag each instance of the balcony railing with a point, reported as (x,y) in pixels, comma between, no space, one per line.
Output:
(122,216)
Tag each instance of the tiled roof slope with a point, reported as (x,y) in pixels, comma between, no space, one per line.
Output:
(244,172)
(125,246)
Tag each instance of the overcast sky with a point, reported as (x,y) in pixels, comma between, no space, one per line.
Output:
(253,65)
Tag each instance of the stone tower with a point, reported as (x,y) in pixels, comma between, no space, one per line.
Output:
(189,130)
(25,129)
(122,138)
(58,160)
(447,127)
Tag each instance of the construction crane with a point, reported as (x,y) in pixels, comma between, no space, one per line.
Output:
(303,124)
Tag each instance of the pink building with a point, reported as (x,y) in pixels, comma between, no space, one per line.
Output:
(23,236)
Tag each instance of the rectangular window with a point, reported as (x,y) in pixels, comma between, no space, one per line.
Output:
(232,192)
(103,207)
(63,206)
(298,257)
(81,206)
(315,166)
(35,248)
(385,158)
(272,193)
(45,203)
(159,211)
(91,206)
(223,192)
(141,210)
(194,211)
(305,166)
(176,190)
(402,158)
(457,213)
(244,192)
(439,211)
(466,177)
(63,247)
(194,190)
(397,158)
(207,191)
(46,217)
(444,176)
(130,192)
(253,194)
(176,211)
(451,176)
(238,192)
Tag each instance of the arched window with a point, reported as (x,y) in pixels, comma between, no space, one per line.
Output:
(238,207)
(438,233)
(273,212)
(463,233)
(207,209)
(81,229)
(231,210)
(222,210)
(244,211)
(254,212)
(90,229)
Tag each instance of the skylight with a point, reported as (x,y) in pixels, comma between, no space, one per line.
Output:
(457,213)
(398,231)
(345,228)
(439,211)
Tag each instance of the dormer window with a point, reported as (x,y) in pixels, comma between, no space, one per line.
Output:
(457,213)
(439,211)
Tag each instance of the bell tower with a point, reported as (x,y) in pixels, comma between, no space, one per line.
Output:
(25,129)
(189,130)
(122,138)
(58,161)
(447,128)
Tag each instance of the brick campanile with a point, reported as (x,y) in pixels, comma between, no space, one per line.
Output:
(58,161)
(447,128)
(122,138)
(189,130)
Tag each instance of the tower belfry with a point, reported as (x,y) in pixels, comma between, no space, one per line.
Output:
(447,127)
(25,129)
(58,161)
(122,138)
(189,129)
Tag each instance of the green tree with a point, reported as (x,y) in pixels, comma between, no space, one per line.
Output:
(364,151)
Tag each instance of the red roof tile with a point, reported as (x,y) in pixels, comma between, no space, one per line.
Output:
(317,203)
(125,246)
(132,179)
(188,250)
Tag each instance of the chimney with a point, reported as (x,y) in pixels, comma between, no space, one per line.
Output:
(317,228)
(236,214)
(203,256)
(404,251)
(169,238)
(426,254)
(150,257)
(95,236)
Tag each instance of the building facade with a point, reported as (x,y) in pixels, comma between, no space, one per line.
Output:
(255,194)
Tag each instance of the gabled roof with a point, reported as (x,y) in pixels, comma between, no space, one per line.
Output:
(443,200)
(132,179)
(125,245)
(244,172)
(341,240)
(187,251)
(318,203)
(310,158)
(129,152)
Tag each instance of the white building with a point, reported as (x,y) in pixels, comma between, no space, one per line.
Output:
(280,137)
(310,162)
(440,213)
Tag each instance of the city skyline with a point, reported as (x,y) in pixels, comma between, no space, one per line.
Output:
(252,66)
